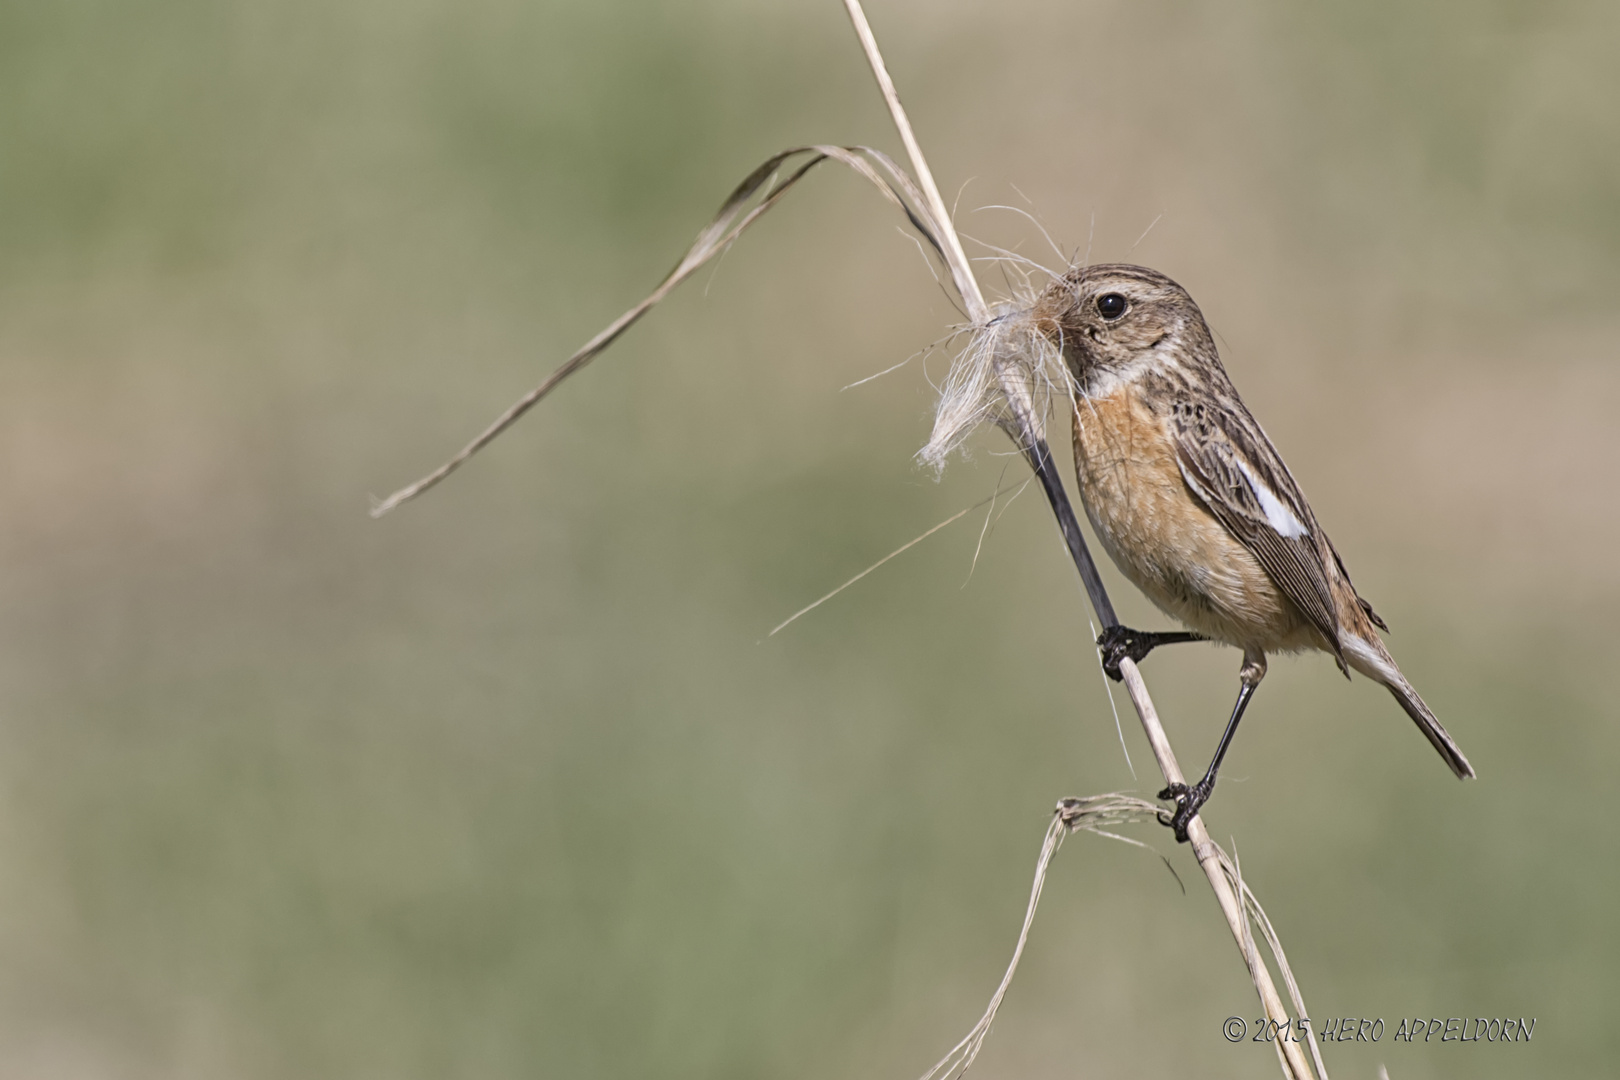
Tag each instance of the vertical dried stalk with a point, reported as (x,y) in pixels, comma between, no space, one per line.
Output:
(961,270)
(1207,853)
(1209,859)
(1013,388)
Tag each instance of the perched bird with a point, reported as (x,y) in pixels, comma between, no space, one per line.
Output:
(1194,504)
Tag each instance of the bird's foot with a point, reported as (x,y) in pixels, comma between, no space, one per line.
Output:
(1188,801)
(1117,642)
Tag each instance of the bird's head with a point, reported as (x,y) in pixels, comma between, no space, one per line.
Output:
(1114,321)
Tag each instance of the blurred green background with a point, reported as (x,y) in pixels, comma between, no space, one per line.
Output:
(508,785)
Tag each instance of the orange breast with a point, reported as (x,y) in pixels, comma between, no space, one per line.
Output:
(1168,545)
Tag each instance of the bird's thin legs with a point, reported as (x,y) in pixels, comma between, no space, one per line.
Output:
(1117,642)
(1189,799)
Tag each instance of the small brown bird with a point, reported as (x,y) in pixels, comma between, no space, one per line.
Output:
(1195,505)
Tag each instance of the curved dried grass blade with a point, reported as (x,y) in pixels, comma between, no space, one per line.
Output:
(961,272)
(1093,813)
(736,214)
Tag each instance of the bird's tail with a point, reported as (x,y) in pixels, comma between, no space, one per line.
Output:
(1442,740)
(1373,660)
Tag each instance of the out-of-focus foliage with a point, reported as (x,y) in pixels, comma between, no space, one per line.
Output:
(507,784)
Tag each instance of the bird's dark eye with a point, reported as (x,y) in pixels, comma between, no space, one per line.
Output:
(1111,306)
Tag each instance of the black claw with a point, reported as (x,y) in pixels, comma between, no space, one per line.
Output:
(1190,799)
(1118,642)
(1188,802)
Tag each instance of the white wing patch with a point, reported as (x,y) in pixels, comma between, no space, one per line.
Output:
(1278,516)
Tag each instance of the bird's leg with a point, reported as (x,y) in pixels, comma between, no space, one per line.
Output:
(1117,642)
(1189,799)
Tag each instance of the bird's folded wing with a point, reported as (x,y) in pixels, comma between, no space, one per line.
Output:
(1232,468)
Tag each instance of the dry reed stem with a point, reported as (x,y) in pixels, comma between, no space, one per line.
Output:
(1207,853)
(966,284)
(1026,420)
(1258,916)
(1211,861)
